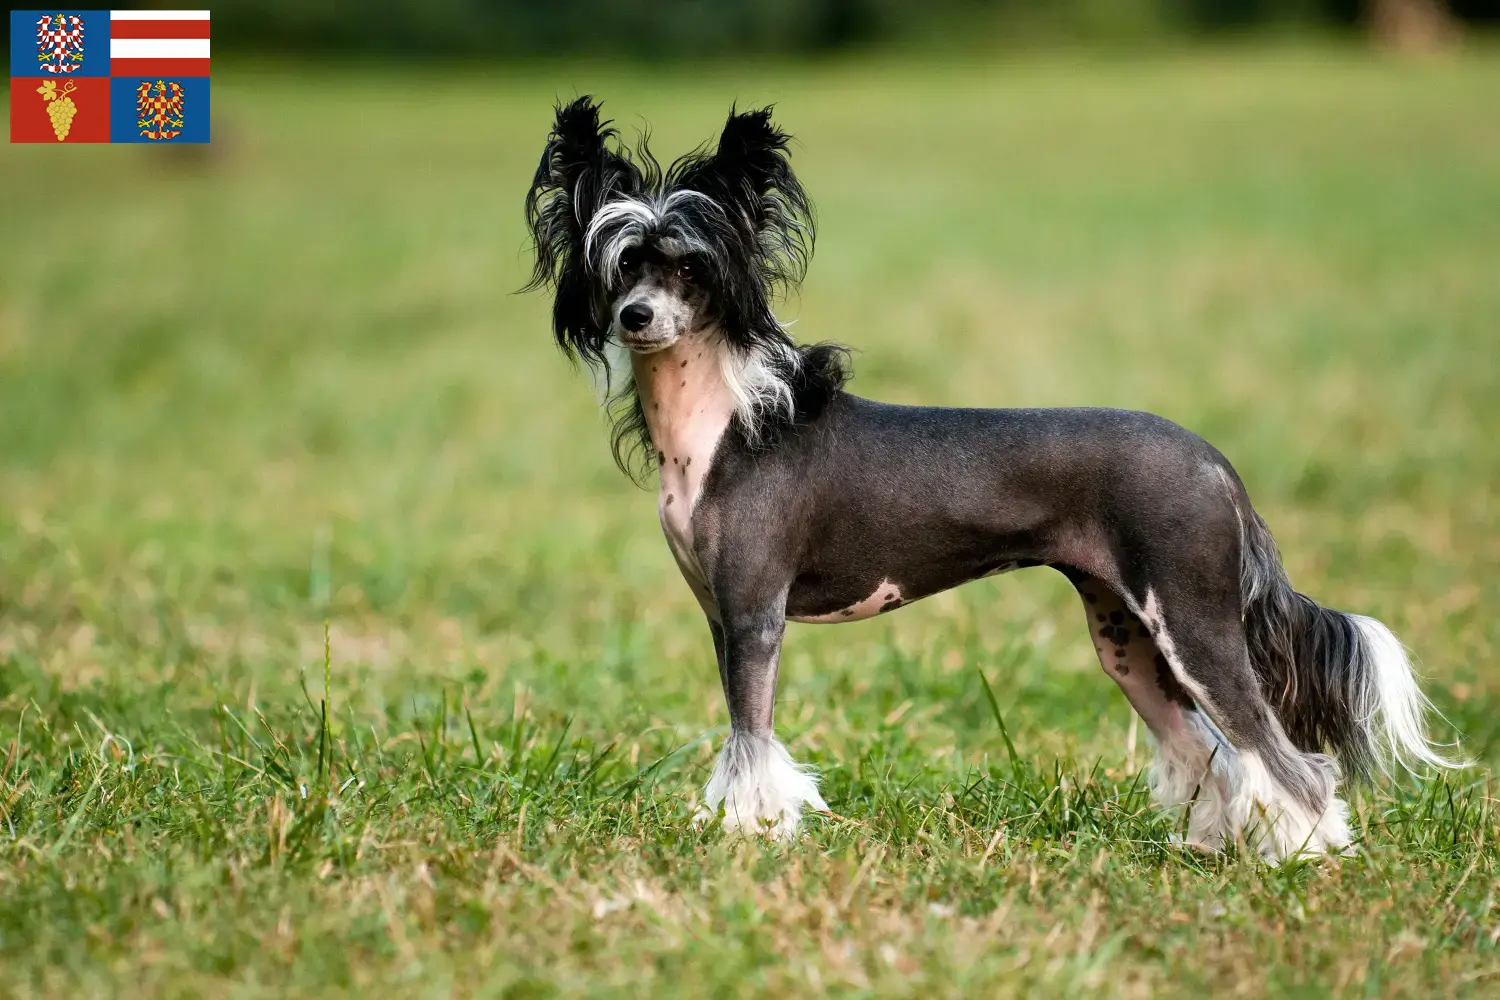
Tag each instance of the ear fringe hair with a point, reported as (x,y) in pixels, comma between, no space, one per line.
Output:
(750,169)
(629,437)
(583,168)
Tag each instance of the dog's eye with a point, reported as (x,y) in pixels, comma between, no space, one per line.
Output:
(687,272)
(630,259)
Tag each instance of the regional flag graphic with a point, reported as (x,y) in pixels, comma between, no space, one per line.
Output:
(139,76)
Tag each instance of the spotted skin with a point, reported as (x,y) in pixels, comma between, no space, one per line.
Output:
(886,597)
(1129,657)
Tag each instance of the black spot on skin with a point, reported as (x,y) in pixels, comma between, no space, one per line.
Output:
(1101,617)
(1120,652)
(674,459)
(684,384)
(890,602)
(1116,617)
(1091,598)
(661,456)
(1170,686)
(1122,668)
(683,365)
(847,612)
(670,498)
(1145,633)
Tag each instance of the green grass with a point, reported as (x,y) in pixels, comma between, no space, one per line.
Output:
(290,382)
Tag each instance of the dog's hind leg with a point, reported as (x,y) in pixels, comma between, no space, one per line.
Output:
(1193,767)
(1221,753)
(1278,799)
(756,782)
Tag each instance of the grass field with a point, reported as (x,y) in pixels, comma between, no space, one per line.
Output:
(289,383)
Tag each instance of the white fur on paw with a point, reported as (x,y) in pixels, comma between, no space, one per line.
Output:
(1276,823)
(759,788)
(1231,798)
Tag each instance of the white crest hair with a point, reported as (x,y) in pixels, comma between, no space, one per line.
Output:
(757,378)
(630,219)
(624,221)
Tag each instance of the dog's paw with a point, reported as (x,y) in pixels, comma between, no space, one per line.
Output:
(783,825)
(758,789)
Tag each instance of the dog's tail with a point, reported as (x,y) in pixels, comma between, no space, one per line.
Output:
(1337,680)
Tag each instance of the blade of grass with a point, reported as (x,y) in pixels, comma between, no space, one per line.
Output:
(1010,748)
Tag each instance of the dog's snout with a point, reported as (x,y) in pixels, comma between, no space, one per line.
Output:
(635,316)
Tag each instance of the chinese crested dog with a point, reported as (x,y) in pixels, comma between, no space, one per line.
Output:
(785,497)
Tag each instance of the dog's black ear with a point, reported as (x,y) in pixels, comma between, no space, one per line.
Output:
(750,174)
(578,173)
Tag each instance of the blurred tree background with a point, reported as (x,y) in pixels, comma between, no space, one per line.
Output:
(655,29)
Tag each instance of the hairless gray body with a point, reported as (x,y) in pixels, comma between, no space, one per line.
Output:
(783,497)
(895,503)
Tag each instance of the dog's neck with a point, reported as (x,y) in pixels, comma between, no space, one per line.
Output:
(687,406)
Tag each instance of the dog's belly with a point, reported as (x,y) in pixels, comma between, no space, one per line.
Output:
(886,597)
(810,595)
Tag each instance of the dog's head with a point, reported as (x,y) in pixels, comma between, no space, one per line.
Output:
(642,257)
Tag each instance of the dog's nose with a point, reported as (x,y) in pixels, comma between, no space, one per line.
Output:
(635,316)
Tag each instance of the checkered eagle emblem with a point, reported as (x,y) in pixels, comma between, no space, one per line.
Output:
(159,109)
(59,42)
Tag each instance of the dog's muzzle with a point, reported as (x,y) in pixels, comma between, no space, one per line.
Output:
(635,316)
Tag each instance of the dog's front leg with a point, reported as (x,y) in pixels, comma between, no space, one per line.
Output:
(755,781)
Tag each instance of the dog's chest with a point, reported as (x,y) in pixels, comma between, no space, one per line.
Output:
(687,410)
(681,484)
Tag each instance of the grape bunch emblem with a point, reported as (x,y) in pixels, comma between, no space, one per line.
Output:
(60,107)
